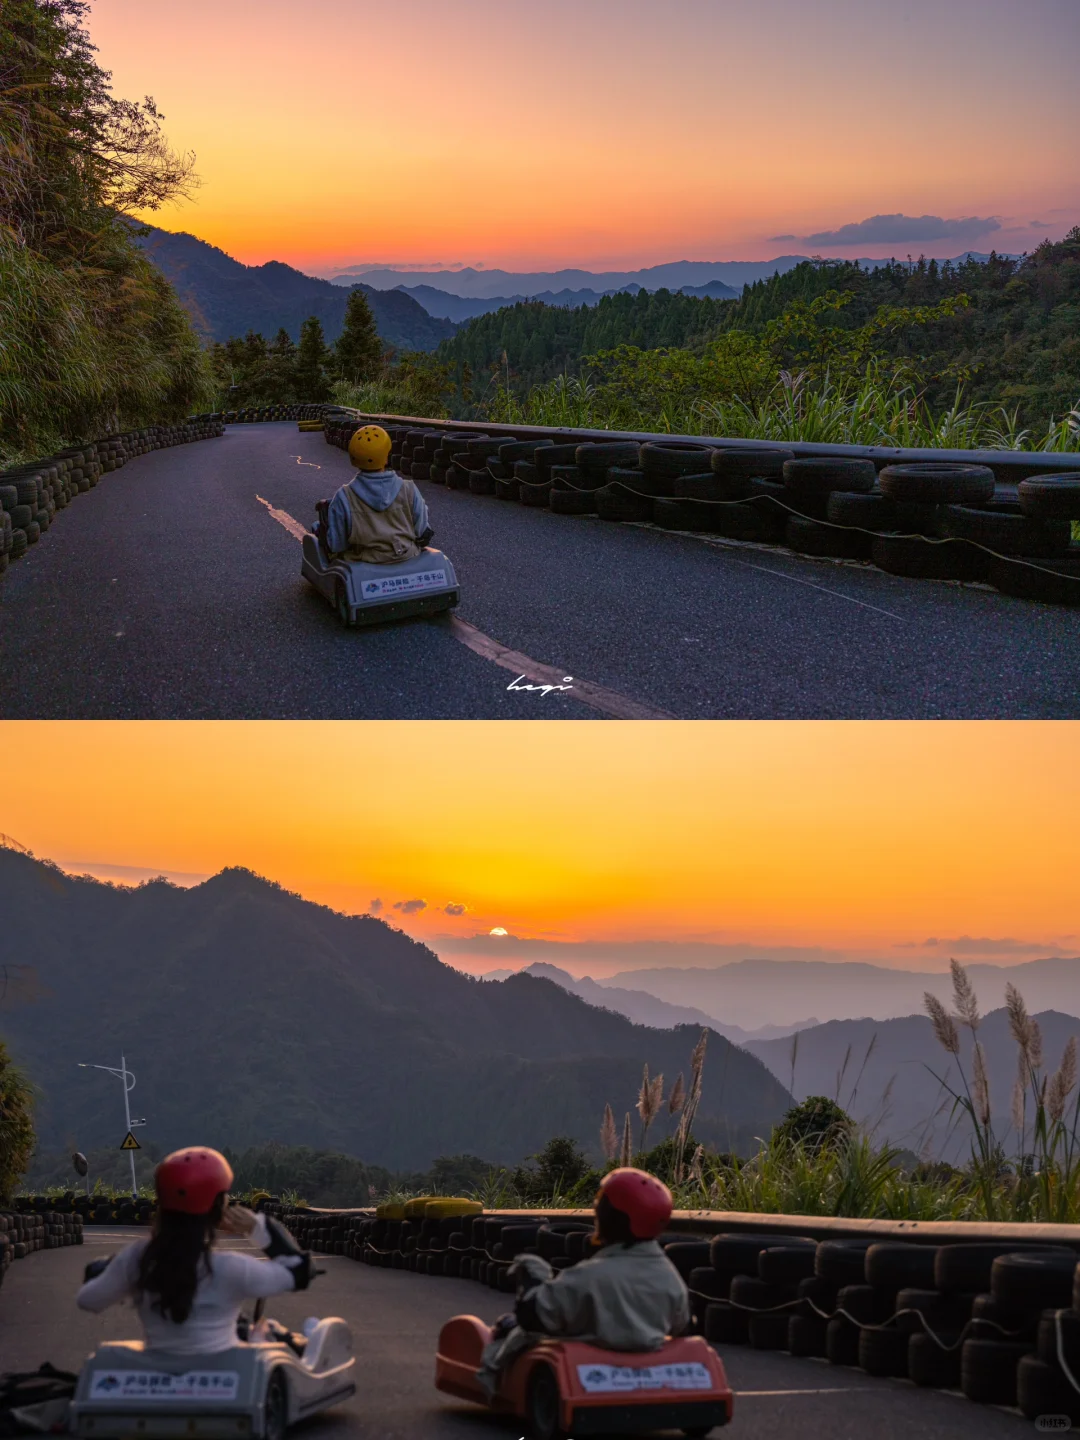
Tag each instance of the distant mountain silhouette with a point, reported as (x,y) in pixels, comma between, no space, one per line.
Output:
(471,283)
(464,308)
(755,992)
(250,1014)
(225,298)
(906,1053)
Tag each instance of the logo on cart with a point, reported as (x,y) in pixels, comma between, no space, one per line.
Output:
(106,1383)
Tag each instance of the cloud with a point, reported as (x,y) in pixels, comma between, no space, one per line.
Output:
(901,229)
(375,906)
(1040,225)
(453,909)
(783,237)
(410,907)
(984,945)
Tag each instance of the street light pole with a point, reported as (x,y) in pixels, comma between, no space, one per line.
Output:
(128,1079)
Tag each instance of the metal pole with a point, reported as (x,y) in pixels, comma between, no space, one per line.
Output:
(127,1075)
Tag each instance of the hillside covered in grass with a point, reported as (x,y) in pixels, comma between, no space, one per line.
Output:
(251,1015)
(92,338)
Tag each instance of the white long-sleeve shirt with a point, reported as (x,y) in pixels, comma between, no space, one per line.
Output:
(232,1278)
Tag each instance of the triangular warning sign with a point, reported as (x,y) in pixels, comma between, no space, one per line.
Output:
(130,1143)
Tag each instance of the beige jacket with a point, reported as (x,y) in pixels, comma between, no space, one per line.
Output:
(383,536)
(620,1299)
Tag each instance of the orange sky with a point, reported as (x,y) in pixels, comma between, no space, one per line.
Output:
(855,836)
(605,133)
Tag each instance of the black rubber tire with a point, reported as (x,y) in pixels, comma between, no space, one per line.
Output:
(938,483)
(19,544)
(553,455)
(725,1324)
(508,490)
(842,1261)
(735,467)
(708,1283)
(681,515)
(842,1342)
(941,1312)
(572,502)
(806,1335)
(1051,582)
(663,460)
(916,558)
(457,477)
(1051,497)
(514,450)
(1046,1337)
(594,460)
(748,520)
(866,512)
(818,1291)
(786,1264)
(275,1408)
(536,495)
(818,478)
(1009,534)
(991,1320)
(437,474)
(930,1366)
(543,1405)
(883,1353)
(769,1331)
(738,1254)
(1042,1389)
(499,469)
(481,482)
(637,481)
(1033,1282)
(894,1265)
(758,1294)
(21,516)
(968,1266)
(988,1370)
(812,537)
(700,487)
(569,477)
(616,502)
(688,1255)
(866,1304)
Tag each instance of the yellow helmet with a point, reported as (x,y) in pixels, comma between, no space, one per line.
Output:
(369,448)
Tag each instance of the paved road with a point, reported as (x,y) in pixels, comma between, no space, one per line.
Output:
(395,1318)
(171,591)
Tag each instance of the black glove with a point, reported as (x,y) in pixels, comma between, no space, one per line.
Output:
(503,1325)
(322,525)
(425,538)
(96,1268)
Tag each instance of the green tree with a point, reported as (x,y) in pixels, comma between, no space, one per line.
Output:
(358,350)
(816,1122)
(16,1124)
(312,358)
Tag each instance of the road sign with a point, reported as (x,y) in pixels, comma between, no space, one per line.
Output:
(130,1143)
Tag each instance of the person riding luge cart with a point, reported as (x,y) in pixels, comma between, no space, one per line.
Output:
(597,1349)
(368,554)
(203,1369)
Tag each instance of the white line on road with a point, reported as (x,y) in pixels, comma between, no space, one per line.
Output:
(836,1390)
(837,594)
(596,697)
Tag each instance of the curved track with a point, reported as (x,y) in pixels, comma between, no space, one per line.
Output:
(171,591)
(395,1319)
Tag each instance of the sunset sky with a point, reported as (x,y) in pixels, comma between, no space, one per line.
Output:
(609,133)
(862,840)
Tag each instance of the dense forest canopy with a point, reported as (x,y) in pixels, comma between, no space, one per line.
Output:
(92,336)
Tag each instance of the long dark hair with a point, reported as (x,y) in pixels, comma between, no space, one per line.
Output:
(612,1226)
(171,1264)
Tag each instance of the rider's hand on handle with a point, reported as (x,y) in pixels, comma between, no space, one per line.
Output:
(237,1220)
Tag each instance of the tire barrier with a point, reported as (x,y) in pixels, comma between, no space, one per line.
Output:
(996,1319)
(23,1232)
(33,494)
(940,520)
(254,414)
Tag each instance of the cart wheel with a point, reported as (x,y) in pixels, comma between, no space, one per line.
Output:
(342,597)
(276,1410)
(543,1405)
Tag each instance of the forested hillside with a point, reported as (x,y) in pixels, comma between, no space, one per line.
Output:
(1000,333)
(249,1015)
(92,338)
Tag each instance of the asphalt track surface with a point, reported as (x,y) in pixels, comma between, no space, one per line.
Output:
(395,1318)
(171,591)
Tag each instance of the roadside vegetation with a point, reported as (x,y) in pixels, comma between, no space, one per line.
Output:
(92,337)
(816,1161)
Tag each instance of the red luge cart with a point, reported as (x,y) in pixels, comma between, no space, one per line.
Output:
(567,1387)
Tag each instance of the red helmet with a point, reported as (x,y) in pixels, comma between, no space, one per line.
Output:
(191,1180)
(642,1198)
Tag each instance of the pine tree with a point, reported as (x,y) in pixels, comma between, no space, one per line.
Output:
(359,349)
(312,357)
